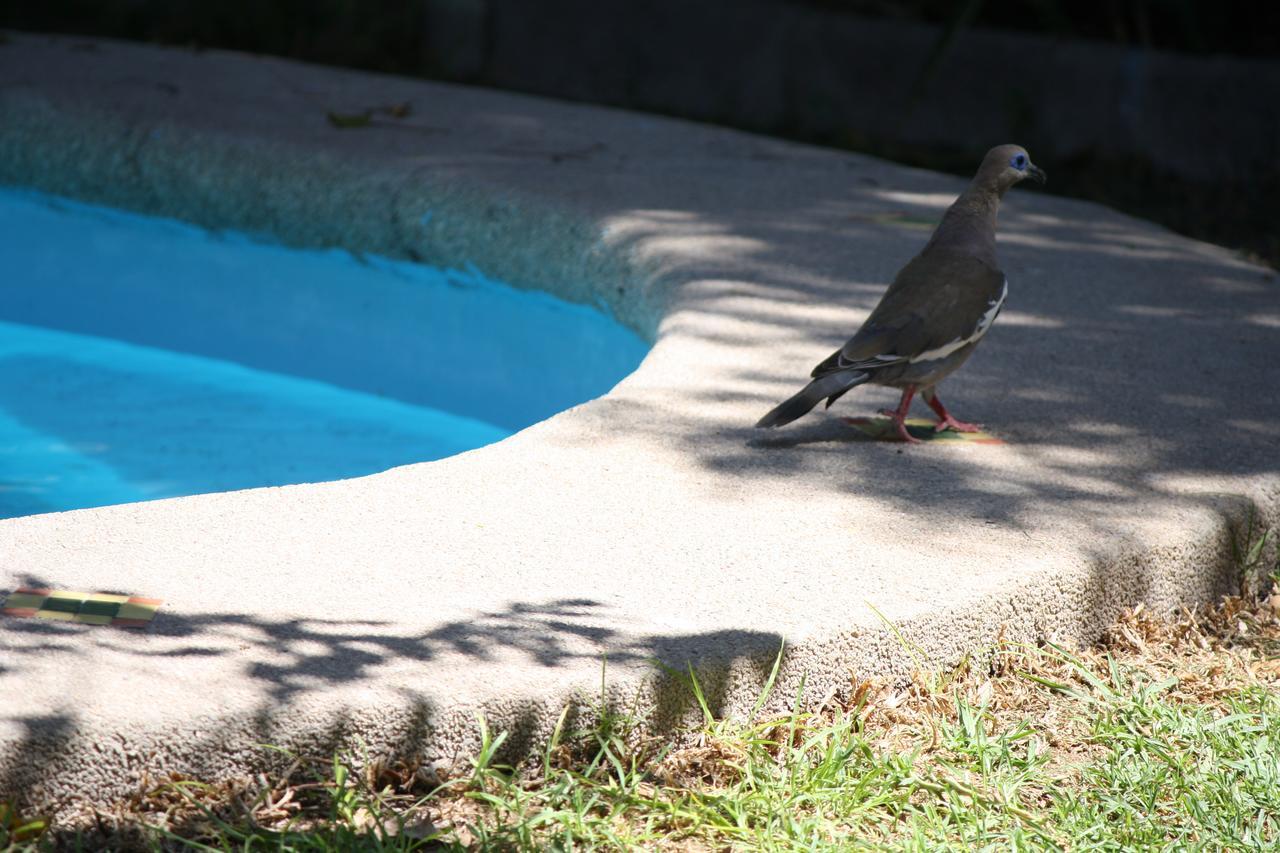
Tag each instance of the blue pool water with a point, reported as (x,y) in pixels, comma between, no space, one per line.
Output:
(143,358)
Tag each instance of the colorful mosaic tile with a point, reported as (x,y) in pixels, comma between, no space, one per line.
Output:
(881,429)
(89,608)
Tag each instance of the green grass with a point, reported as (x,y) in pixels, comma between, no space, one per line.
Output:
(1166,737)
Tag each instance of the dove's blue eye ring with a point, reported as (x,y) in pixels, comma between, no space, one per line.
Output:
(1019,162)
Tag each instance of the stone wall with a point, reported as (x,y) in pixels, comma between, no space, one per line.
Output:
(820,74)
(809,71)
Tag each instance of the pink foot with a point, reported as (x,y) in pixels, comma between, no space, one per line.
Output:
(945,421)
(959,426)
(899,423)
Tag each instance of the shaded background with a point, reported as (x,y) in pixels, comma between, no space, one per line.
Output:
(1167,109)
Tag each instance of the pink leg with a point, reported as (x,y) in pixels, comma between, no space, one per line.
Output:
(945,420)
(899,415)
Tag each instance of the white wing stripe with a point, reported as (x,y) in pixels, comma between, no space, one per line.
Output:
(984,323)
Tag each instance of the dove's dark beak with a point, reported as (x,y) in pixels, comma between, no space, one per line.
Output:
(1037,174)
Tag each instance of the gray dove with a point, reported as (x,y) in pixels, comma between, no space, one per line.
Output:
(934,314)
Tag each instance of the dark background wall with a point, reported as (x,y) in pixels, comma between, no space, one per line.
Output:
(1169,109)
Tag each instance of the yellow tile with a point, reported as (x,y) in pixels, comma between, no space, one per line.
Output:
(106,596)
(58,615)
(24,599)
(92,618)
(137,611)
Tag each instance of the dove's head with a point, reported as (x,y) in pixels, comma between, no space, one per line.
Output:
(1006,165)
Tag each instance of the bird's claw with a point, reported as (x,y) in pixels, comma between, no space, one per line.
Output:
(900,425)
(959,426)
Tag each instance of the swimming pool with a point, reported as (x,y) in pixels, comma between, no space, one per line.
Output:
(143,358)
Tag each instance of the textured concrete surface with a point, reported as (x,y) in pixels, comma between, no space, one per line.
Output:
(1133,375)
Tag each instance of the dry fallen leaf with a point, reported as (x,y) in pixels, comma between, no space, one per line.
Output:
(1270,668)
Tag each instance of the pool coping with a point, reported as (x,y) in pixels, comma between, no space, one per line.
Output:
(651,524)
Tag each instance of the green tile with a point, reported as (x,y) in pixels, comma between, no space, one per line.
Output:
(24,599)
(58,604)
(100,608)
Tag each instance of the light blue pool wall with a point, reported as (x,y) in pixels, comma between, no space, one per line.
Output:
(316,201)
(451,340)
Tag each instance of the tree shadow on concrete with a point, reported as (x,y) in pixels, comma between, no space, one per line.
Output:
(1124,367)
(286,664)
(309,654)
(31,742)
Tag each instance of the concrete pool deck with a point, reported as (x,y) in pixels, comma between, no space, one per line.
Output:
(1134,376)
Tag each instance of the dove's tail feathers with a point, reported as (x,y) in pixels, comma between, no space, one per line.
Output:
(830,386)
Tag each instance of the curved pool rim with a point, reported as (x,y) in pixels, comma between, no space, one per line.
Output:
(147,358)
